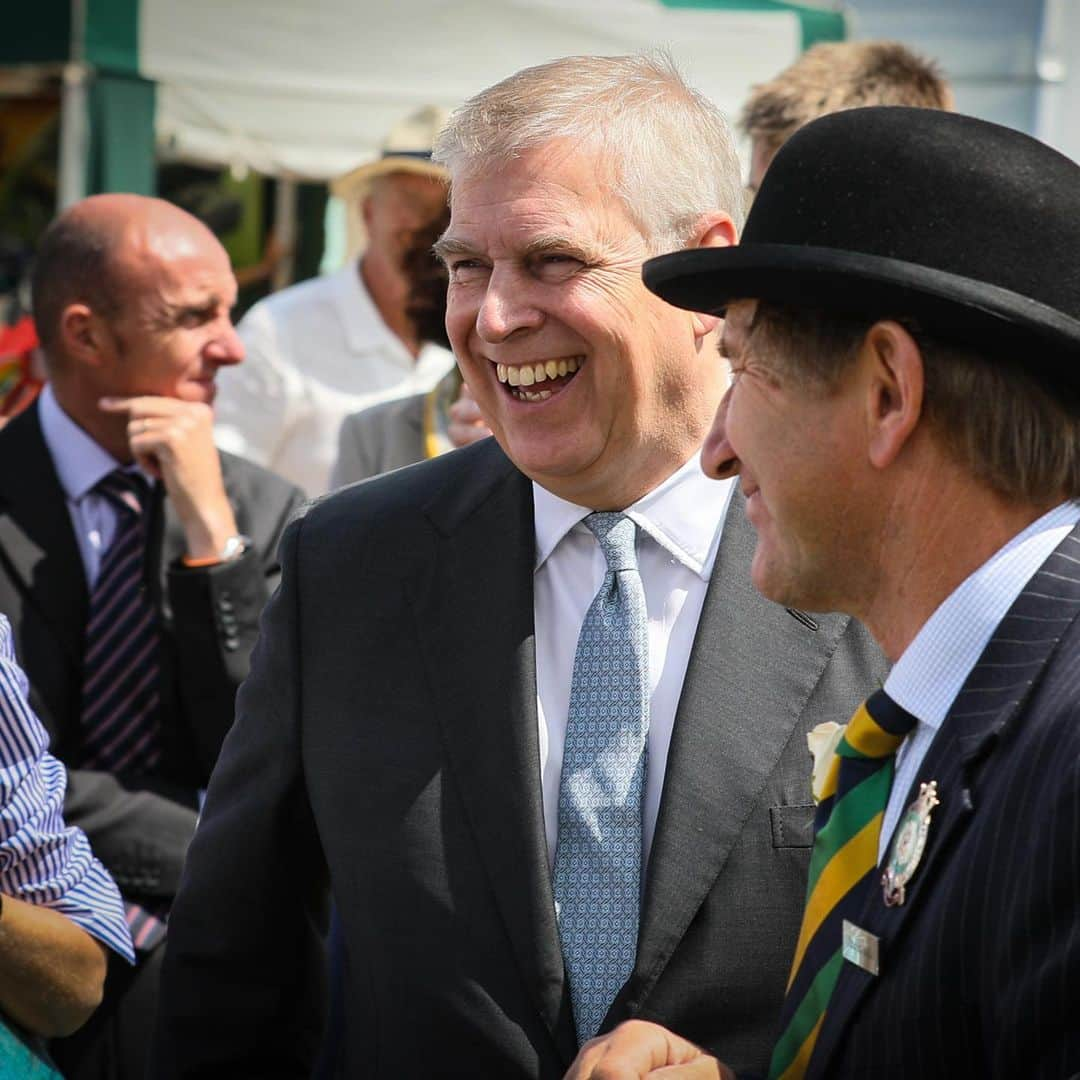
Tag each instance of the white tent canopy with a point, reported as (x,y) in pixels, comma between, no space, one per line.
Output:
(310,89)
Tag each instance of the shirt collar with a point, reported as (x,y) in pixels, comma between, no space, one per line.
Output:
(684,515)
(80,461)
(364,326)
(934,667)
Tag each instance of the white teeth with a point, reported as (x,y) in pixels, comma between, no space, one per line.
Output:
(529,374)
(538,395)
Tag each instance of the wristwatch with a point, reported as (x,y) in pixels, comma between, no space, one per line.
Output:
(232,549)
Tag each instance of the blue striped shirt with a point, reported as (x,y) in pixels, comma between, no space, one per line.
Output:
(42,861)
(934,667)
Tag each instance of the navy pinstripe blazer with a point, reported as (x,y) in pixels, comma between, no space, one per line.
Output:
(980,967)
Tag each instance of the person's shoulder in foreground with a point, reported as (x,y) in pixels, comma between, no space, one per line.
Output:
(936,495)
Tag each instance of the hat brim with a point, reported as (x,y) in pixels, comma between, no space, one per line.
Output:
(354,183)
(956,308)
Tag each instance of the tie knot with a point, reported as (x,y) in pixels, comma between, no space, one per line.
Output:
(127,490)
(878,727)
(616,534)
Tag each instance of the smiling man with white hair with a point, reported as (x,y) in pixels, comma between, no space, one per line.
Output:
(519,705)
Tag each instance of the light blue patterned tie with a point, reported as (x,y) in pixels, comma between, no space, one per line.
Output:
(597,881)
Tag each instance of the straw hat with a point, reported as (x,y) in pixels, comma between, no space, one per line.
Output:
(406,149)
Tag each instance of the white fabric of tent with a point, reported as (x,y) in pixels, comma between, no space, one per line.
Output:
(308,89)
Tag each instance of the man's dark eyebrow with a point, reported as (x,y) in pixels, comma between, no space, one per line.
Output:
(174,313)
(724,344)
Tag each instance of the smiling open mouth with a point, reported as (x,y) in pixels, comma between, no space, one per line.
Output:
(541,380)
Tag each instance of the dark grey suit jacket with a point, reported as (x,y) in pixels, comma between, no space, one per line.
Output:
(980,967)
(388,735)
(210,620)
(384,437)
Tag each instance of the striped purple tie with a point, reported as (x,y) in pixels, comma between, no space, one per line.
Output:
(121,661)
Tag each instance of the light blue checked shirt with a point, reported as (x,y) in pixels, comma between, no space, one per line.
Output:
(934,667)
(42,861)
(80,464)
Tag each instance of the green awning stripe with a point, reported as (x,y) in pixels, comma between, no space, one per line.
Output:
(112,35)
(817,25)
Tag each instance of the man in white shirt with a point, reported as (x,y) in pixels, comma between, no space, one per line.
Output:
(331,346)
(484,702)
(905,420)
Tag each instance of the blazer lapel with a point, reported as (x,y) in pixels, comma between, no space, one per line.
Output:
(752,669)
(991,700)
(36,536)
(475,619)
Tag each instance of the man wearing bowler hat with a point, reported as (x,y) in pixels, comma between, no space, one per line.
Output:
(903,323)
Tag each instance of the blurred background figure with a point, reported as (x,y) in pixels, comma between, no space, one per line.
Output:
(21,371)
(834,76)
(330,346)
(396,433)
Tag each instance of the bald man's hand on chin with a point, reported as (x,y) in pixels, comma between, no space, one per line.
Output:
(174,440)
(637,1049)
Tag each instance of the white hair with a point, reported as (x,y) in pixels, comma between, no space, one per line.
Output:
(669,150)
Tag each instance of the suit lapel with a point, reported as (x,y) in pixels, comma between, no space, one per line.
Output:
(36,536)
(751,671)
(989,703)
(475,619)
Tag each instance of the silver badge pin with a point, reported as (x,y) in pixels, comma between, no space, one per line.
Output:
(908,844)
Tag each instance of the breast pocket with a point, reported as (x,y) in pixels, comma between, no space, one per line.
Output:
(792,826)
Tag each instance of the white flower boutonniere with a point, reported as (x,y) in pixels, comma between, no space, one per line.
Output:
(823,741)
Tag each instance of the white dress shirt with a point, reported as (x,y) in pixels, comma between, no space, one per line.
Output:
(679,525)
(315,352)
(934,667)
(80,463)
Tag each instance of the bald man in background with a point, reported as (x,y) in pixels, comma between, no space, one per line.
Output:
(134,557)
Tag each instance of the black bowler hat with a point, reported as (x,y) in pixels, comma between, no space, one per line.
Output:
(972,228)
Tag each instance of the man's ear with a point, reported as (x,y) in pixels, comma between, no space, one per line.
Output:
(895,384)
(713,230)
(82,334)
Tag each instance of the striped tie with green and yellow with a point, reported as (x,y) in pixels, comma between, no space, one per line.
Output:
(843,865)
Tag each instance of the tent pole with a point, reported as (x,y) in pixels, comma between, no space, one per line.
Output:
(285,228)
(74,137)
(74,116)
